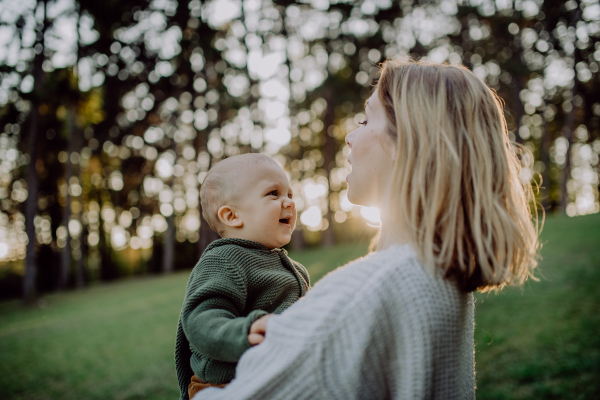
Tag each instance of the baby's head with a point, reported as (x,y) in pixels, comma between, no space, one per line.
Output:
(249,197)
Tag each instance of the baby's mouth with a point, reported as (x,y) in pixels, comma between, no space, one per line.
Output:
(285,221)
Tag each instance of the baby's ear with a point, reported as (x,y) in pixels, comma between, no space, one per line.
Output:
(229,217)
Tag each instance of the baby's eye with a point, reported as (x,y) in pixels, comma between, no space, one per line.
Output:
(290,195)
(273,193)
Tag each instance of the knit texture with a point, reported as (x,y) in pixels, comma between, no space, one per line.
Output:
(381,327)
(235,282)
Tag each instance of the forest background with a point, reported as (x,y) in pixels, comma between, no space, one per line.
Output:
(112,112)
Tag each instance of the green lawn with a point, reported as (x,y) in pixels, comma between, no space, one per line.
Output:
(115,341)
(543,341)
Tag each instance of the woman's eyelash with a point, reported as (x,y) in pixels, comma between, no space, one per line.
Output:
(363,123)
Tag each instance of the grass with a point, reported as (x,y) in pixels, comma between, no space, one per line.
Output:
(543,341)
(115,341)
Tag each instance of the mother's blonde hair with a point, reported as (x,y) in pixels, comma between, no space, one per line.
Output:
(457,188)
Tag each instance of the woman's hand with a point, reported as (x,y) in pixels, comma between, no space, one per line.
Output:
(258,330)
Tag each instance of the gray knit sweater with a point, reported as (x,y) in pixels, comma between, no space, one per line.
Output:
(379,328)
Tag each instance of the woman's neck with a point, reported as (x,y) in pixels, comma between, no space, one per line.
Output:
(389,235)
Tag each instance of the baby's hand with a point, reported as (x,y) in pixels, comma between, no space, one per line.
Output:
(258,330)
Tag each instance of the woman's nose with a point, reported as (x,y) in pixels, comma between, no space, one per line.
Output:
(350,138)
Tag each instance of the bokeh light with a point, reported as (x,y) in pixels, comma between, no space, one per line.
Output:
(371,214)
(288,81)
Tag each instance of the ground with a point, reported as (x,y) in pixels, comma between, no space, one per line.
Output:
(115,341)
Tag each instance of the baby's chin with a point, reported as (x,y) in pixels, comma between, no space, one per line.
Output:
(273,244)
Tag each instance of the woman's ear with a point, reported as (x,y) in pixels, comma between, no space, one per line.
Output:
(229,217)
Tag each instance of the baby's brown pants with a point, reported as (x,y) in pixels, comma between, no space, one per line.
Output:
(197,385)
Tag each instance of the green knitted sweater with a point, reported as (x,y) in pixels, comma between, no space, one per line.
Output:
(235,282)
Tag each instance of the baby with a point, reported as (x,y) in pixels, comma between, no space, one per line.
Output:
(241,278)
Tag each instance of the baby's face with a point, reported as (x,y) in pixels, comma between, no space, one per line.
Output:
(266,207)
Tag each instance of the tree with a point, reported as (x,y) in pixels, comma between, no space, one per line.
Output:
(32,150)
(129,117)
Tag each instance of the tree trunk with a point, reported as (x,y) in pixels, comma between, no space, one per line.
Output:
(207,235)
(568,132)
(545,158)
(570,122)
(32,176)
(108,268)
(65,257)
(328,238)
(80,271)
(297,242)
(31,207)
(516,88)
(169,245)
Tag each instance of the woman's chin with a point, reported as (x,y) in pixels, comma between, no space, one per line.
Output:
(353,198)
(359,199)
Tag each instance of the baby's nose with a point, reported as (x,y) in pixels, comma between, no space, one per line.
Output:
(289,203)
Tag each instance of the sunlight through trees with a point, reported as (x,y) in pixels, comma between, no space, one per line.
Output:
(111,116)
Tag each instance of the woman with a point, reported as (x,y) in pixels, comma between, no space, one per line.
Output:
(434,155)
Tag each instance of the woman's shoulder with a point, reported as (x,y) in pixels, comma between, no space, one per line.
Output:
(392,280)
(389,279)
(395,264)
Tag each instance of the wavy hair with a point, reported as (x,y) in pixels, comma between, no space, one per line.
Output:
(456,179)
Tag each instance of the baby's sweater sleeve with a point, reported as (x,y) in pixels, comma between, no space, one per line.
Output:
(212,316)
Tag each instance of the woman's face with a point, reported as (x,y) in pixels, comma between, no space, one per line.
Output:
(371,156)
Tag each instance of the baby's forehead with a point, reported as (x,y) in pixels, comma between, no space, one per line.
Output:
(235,176)
(246,163)
(264,174)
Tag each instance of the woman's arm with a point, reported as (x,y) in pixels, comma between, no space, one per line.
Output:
(272,370)
(323,347)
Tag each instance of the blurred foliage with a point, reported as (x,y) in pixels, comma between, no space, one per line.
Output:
(112,113)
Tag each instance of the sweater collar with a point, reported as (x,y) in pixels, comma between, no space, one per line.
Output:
(248,244)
